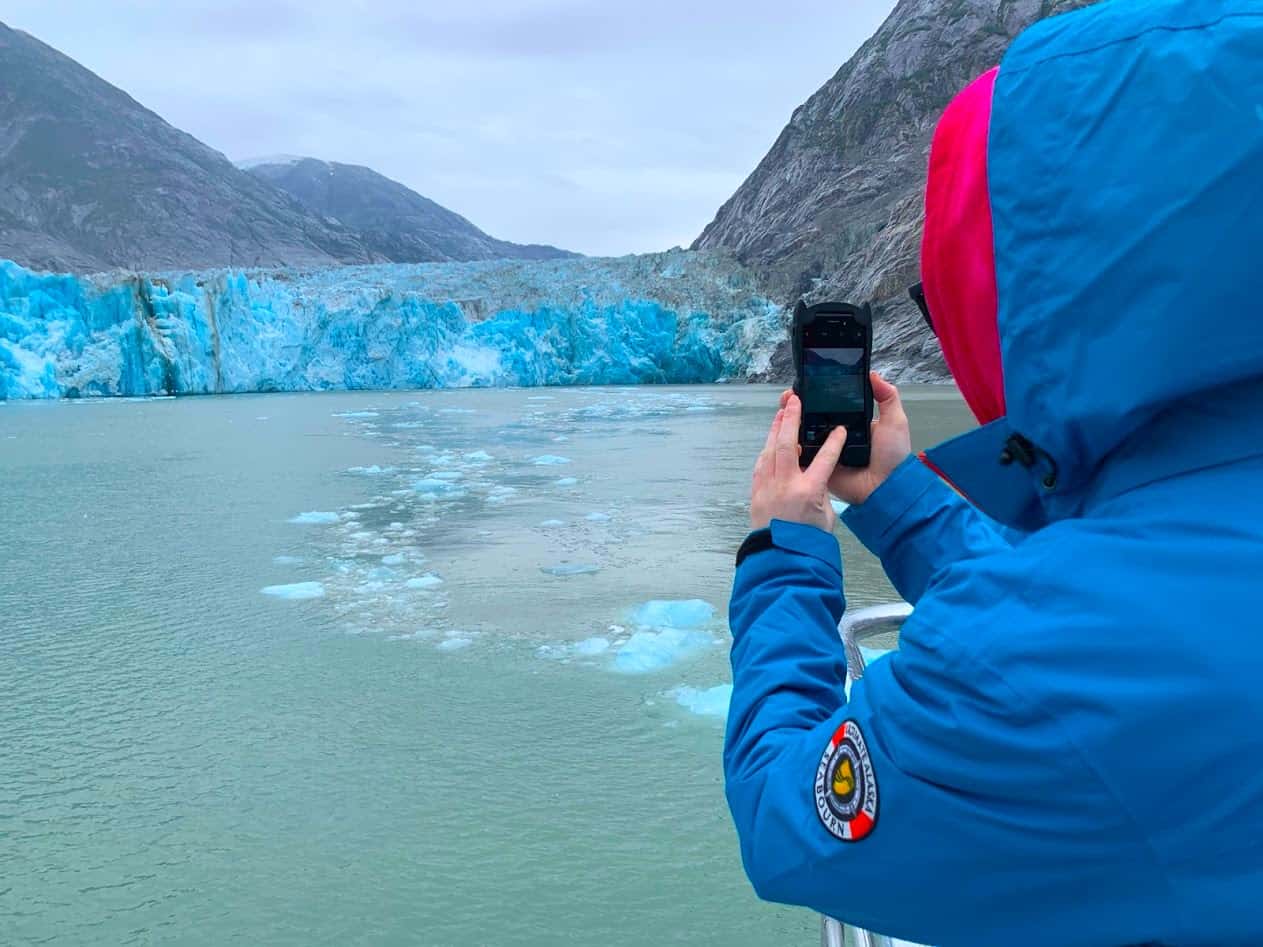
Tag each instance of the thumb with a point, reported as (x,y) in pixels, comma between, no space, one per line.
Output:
(827,458)
(889,404)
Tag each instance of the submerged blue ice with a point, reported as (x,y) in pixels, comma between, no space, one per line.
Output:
(669,317)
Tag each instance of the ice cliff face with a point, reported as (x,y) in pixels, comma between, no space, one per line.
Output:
(671,317)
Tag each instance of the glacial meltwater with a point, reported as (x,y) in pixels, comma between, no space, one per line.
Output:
(434,668)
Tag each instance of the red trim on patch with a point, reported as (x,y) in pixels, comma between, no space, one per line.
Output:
(958,250)
(860,826)
(837,737)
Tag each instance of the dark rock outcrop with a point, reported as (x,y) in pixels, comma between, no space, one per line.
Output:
(834,209)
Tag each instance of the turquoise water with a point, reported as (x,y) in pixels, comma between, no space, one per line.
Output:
(441,743)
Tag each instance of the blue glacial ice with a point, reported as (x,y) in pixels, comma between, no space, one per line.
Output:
(427,581)
(668,613)
(566,481)
(711,702)
(571,568)
(673,317)
(315,518)
(296,591)
(550,460)
(649,650)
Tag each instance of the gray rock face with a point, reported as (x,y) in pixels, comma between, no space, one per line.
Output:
(92,180)
(835,208)
(395,222)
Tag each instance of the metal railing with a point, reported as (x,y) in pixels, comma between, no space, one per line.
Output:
(868,629)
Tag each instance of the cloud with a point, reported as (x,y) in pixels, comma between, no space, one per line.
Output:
(606,126)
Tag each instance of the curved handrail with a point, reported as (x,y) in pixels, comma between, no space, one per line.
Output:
(854,628)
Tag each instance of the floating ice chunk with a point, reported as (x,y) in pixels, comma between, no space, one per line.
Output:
(647,651)
(296,590)
(426,448)
(711,702)
(414,636)
(552,524)
(589,647)
(315,517)
(479,456)
(454,644)
(567,481)
(446,475)
(561,438)
(571,568)
(549,460)
(394,559)
(431,489)
(371,471)
(699,407)
(540,398)
(839,506)
(288,560)
(666,613)
(427,581)
(356,414)
(457,410)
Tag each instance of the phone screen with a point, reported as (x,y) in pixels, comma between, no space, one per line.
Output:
(833,380)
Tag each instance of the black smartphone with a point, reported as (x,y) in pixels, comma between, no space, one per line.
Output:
(833,344)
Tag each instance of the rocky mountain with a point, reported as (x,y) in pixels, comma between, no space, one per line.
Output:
(834,209)
(91,180)
(394,222)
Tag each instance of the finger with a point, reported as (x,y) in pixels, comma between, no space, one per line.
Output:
(773,432)
(827,458)
(888,401)
(786,395)
(787,438)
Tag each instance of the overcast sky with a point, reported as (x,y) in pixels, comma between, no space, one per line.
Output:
(603,126)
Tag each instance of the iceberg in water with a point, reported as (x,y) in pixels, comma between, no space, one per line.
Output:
(711,702)
(686,613)
(649,650)
(296,591)
(673,317)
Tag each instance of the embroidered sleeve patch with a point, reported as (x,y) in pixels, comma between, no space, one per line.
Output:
(846,786)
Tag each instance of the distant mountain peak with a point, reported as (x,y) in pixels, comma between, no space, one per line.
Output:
(393,220)
(92,180)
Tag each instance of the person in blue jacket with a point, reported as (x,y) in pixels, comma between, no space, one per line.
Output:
(1067,748)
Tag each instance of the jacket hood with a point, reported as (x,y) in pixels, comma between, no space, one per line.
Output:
(1124,193)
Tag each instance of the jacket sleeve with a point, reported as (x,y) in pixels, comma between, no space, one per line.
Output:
(975,805)
(916,524)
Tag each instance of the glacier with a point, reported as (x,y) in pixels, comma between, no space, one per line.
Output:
(673,317)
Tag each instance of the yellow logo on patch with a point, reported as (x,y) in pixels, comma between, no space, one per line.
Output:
(843,778)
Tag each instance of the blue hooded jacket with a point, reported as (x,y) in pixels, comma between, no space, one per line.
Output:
(1067,749)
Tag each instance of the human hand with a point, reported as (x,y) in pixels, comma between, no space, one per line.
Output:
(781,489)
(891,444)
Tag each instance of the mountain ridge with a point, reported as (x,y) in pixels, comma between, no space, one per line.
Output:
(392,219)
(834,209)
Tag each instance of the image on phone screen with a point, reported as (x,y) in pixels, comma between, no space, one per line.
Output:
(833,380)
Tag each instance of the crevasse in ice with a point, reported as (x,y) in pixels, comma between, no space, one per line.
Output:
(670,317)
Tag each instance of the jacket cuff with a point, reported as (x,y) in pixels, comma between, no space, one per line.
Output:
(873,520)
(797,538)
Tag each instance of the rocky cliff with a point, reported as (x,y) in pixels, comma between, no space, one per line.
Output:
(834,209)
